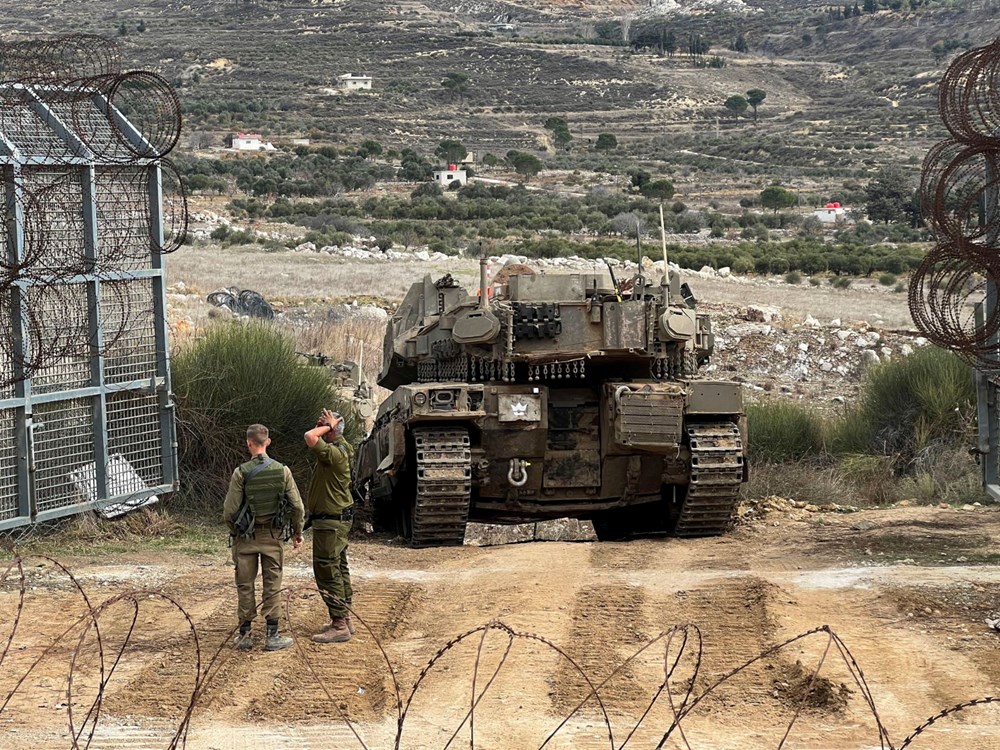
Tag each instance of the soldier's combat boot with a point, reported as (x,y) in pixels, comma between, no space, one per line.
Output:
(336,632)
(243,641)
(275,641)
(350,624)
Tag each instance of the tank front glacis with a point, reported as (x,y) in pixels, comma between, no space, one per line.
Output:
(558,395)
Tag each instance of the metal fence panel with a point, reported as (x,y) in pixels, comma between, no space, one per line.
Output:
(63,439)
(8,465)
(86,419)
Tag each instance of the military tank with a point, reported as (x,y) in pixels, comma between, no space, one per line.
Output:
(549,396)
(350,385)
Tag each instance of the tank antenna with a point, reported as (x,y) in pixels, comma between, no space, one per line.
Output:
(483,296)
(666,268)
(639,286)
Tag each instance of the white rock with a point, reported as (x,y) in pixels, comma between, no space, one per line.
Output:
(873,336)
(886,352)
(841,370)
(869,358)
(422,255)
(779,348)
(180,287)
(371,312)
(803,347)
(707,271)
(306,247)
(920,341)
(825,366)
(843,335)
(799,371)
(861,342)
(811,322)
(835,322)
(725,272)
(906,350)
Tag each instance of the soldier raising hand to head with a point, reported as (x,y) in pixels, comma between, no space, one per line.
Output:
(331,512)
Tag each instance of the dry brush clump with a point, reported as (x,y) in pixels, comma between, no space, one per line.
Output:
(905,437)
(240,373)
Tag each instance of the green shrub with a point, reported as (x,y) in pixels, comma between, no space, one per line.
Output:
(240,374)
(887,279)
(840,282)
(783,431)
(899,288)
(793,277)
(815,281)
(907,405)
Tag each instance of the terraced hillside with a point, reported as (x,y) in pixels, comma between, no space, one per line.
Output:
(842,95)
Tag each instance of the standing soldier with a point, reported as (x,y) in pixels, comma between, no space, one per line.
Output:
(331,511)
(261,505)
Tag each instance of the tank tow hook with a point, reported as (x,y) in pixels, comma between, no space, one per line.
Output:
(517,475)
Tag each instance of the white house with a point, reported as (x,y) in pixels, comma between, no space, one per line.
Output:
(448,177)
(354,82)
(250,142)
(831,213)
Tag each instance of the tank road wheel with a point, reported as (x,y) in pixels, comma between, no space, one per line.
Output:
(716,477)
(443,486)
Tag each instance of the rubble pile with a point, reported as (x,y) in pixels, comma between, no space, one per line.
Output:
(756,509)
(815,359)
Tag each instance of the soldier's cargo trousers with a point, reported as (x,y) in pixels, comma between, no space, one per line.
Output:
(270,553)
(333,578)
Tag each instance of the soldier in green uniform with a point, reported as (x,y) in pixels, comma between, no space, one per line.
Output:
(269,490)
(331,512)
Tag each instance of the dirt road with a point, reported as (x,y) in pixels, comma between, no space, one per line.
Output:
(906,589)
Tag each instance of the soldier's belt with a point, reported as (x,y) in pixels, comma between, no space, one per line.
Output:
(345,515)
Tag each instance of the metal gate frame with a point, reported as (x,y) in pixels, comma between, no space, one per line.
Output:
(37,424)
(987,382)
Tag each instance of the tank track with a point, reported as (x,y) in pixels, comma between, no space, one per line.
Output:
(444,486)
(716,476)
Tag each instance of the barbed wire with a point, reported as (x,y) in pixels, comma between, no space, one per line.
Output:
(960,201)
(66,106)
(681,645)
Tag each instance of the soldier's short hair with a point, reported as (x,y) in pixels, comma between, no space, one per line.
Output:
(257,434)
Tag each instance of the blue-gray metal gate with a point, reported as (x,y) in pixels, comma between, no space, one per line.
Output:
(86,418)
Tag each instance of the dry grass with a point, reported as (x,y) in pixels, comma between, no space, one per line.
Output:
(291,279)
(805,481)
(353,339)
(862,301)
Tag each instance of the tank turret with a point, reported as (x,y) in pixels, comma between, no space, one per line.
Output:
(565,394)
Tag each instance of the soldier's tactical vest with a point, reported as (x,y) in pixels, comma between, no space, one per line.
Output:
(264,490)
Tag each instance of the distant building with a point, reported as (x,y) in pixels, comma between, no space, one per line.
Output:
(831,213)
(448,177)
(300,141)
(354,82)
(250,142)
